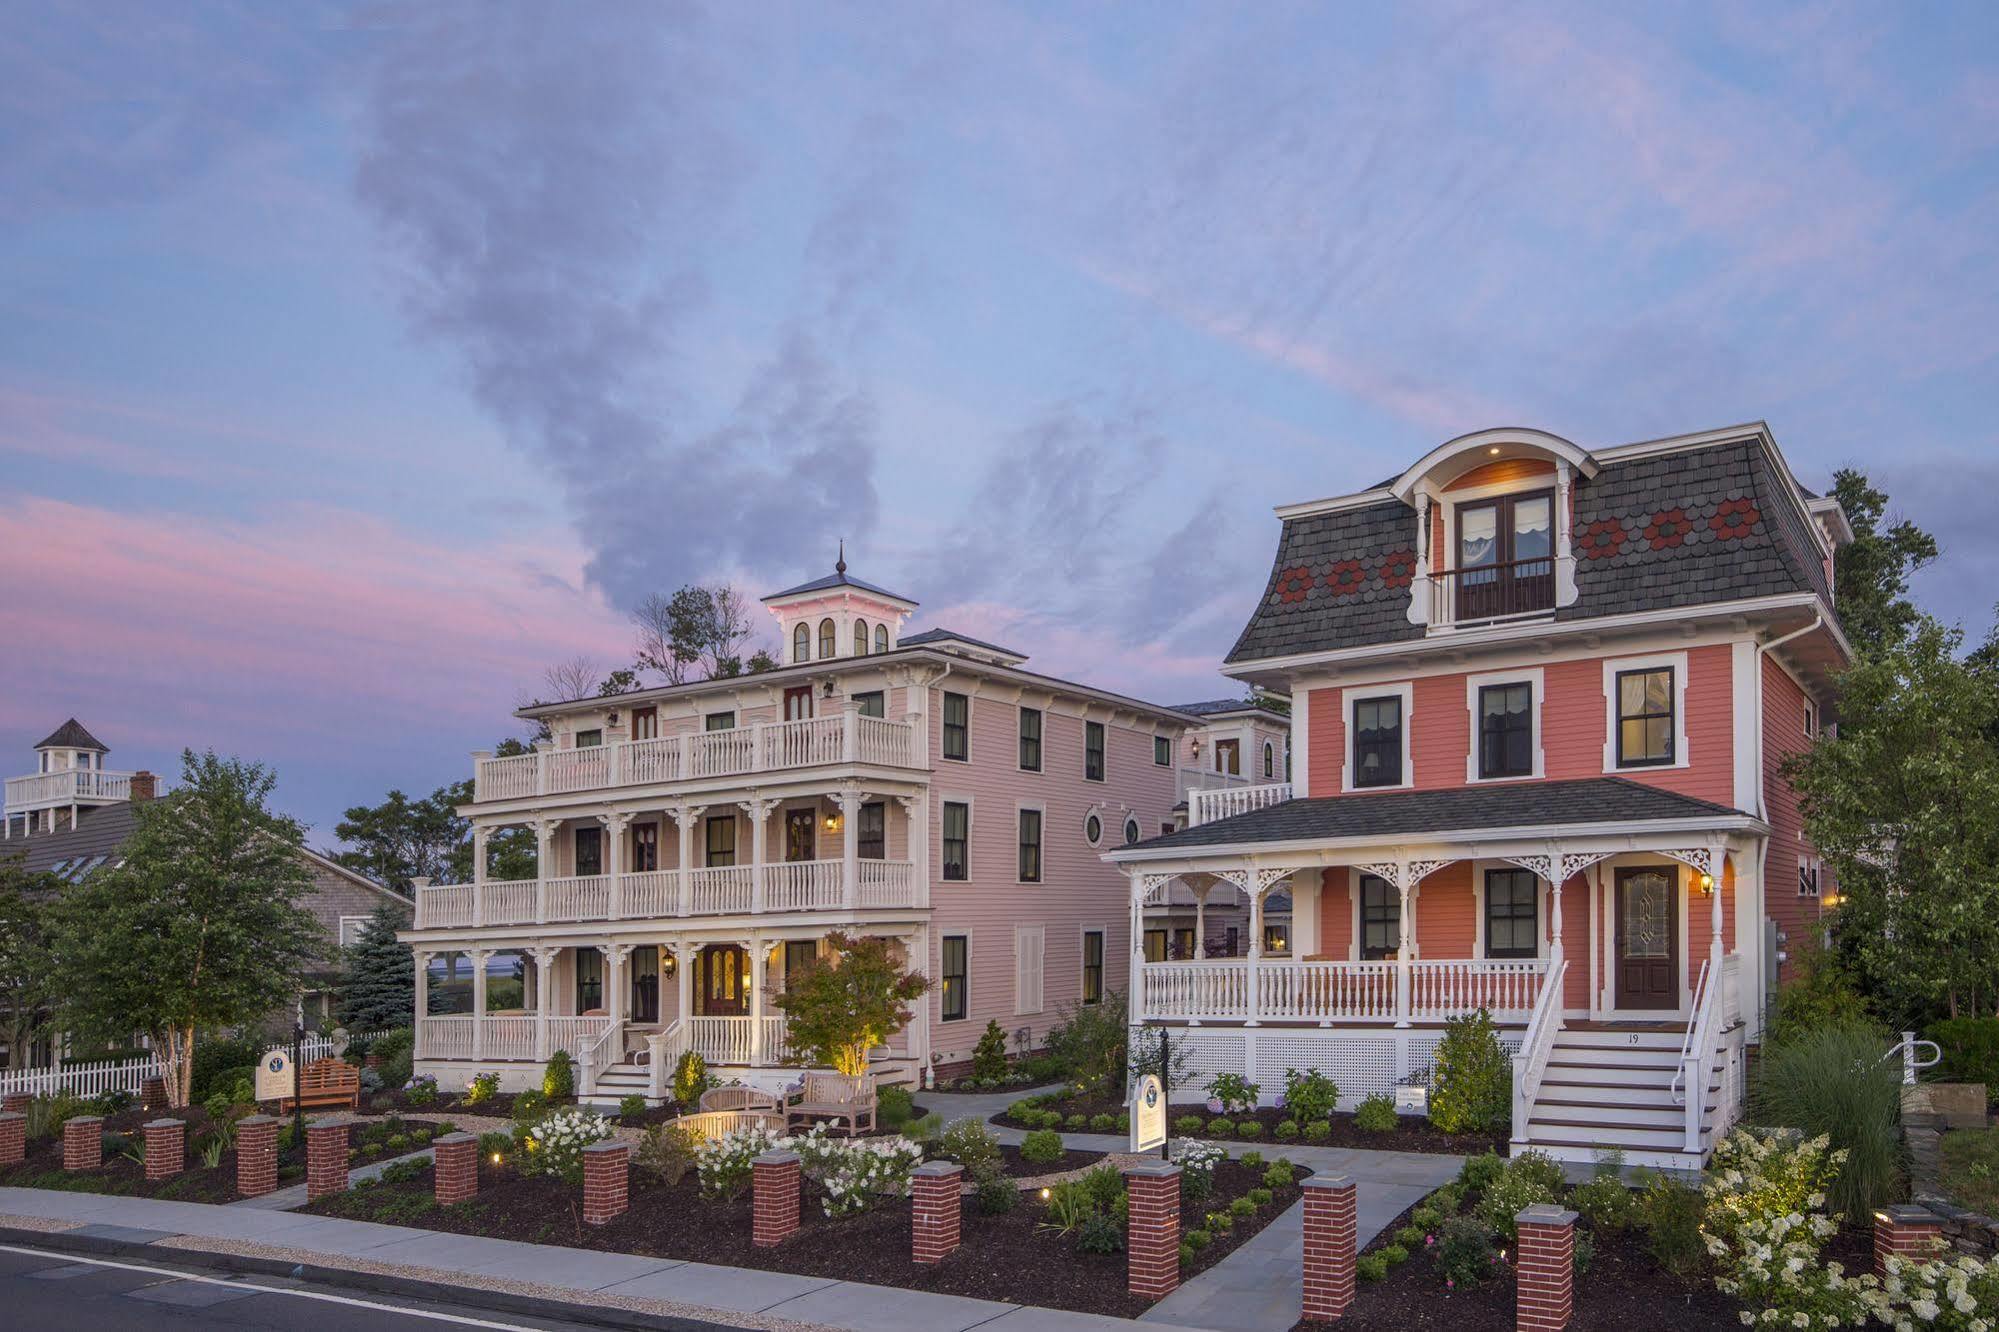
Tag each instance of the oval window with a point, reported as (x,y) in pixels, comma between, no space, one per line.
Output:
(1131,832)
(1093,830)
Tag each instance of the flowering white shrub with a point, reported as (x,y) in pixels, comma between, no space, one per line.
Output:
(555,1144)
(1958,1294)
(723,1164)
(1766,1225)
(1197,1161)
(852,1172)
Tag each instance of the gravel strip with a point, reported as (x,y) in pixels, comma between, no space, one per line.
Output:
(48,1225)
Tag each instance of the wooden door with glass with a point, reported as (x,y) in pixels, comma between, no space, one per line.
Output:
(1646,967)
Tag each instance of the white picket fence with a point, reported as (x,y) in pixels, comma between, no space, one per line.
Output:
(87,1080)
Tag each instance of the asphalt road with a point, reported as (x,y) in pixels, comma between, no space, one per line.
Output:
(52,1290)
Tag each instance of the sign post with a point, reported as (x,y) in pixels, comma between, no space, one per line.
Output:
(1148,1107)
(277,1075)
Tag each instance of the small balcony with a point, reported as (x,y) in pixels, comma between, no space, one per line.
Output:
(71,786)
(728,890)
(1483,594)
(1225,802)
(761,747)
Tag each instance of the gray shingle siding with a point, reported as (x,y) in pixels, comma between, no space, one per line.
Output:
(1296,617)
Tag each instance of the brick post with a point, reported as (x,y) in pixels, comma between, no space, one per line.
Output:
(166,1148)
(325,1158)
(1332,1232)
(13,1137)
(153,1095)
(607,1181)
(774,1206)
(456,1156)
(83,1142)
(1152,1240)
(1907,1231)
(256,1155)
(1544,1294)
(16,1103)
(934,1194)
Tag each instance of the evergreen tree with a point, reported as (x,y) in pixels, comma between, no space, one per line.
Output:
(378,976)
(1872,572)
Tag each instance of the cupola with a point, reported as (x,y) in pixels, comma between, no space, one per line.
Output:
(838,615)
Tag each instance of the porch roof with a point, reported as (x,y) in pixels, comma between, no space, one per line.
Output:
(1408,814)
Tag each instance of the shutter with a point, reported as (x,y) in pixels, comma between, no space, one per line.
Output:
(1029,944)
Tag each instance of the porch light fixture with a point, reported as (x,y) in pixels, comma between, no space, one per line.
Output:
(669,964)
(1707,885)
(1494,450)
(832,823)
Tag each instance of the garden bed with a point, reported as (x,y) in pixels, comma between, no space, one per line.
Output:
(1015,1166)
(1412,1133)
(1011,1256)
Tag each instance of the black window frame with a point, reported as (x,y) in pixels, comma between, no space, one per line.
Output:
(1095,740)
(593,838)
(954,981)
(709,848)
(872,831)
(1670,716)
(1162,751)
(1391,746)
(1028,862)
(1494,740)
(589,989)
(1030,744)
(1098,837)
(964,840)
(1093,969)
(958,734)
(1388,913)
(590,739)
(872,703)
(1514,913)
(719,721)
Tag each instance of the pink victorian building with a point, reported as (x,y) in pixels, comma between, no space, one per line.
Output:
(697,842)
(1540,696)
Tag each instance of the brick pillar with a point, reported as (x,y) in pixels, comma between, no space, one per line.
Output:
(607,1181)
(1907,1231)
(166,1148)
(83,1142)
(16,1103)
(256,1155)
(325,1158)
(153,1095)
(13,1137)
(1544,1293)
(457,1168)
(934,1192)
(1332,1233)
(774,1206)
(1152,1239)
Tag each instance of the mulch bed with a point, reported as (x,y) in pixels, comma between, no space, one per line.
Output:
(447,1102)
(1015,1166)
(1413,1133)
(1007,1257)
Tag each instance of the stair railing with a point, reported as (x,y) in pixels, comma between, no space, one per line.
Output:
(1697,1053)
(663,1049)
(1536,1047)
(590,1058)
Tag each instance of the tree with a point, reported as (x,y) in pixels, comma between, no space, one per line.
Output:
(30,979)
(841,1007)
(697,633)
(199,927)
(378,975)
(761,661)
(577,677)
(402,839)
(1872,572)
(1899,803)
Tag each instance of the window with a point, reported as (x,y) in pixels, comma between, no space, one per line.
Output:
(798,703)
(719,721)
(1506,556)
(1093,751)
(874,703)
(589,739)
(589,851)
(1510,929)
(1030,950)
(860,638)
(1645,702)
(1155,945)
(1093,830)
(881,638)
(350,930)
(956,968)
(1030,739)
(589,980)
(801,643)
(801,834)
(871,836)
(1277,938)
(798,955)
(1808,877)
(1811,721)
(1030,848)
(1377,741)
(829,642)
(957,727)
(1131,831)
(1093,966)
(1162,751)
(1269,762)
(1380,918)
(1228,756)
(722,840)
(645,723)
(1506,730)
(957,830)
(645,847)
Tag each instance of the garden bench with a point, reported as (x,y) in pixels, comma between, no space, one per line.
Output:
(738,1098)
(324,1084)
(833,1096)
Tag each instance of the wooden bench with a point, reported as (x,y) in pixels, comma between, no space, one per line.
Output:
(325,1084)
(833,1096)
(738,1098)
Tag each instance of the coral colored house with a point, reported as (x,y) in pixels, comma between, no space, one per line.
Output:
(1540,699)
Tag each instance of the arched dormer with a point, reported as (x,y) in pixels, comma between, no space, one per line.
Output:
(839,615)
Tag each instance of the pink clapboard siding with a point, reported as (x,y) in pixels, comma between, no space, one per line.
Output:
(1784,736)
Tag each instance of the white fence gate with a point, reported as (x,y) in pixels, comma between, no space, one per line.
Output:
(87,1080)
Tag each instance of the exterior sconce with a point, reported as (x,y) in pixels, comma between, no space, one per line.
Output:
(669,964)
(832,823)
(1707,885)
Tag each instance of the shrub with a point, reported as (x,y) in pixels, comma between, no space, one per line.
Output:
(1236,1093)
(1248,1128)
(926,1129)
(1099,1234)
(632,1107)
(1465,1251)
(1410,1236)
(1103,1123)
(397,1141)
(973,1146)
(996,1196)
(420,1136)
(1370,1267)
(853,1173)
(1186,1253)
(1970,1050)
(1040,1068)
(723,1163)
(894,1106)
(1394,1254)
(1834,1081)
(1243,1207)
(396,1049)
(1582,1252)
(558,1081)
(1425,1217)
(1042,1147)
(1197,1161)
(484,1088)
(1309,1095)
(219,1061)
(529,1106)
(1605,1203)
(47,1114)
(1028,1109)
(1287,1130)
(989,1055)
(691,1078)
(1448,1199)
(1471,1085)
(1670,1215)
(1252,1158)
(1376,1114)
(402,1172)
(1260,1197)
(1076,1123)
(1221,1128)
(1053,1119)
(844,1005)
(666,1152)
(1280,1175)
(1821,992)
(1222,1222)
(1969,1172)
(1088,1047)
(1765,1225)
(371,1081)
(555,1145)
(1187,1124)
(1318,1130)
(1123,1122)
(498,1145)
(1479,1171)
(1198,1240)
(1529,1178)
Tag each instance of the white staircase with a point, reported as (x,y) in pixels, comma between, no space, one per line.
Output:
(1611,1085)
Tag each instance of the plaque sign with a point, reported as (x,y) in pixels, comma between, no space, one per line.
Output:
(1148,1114)
(276,1078)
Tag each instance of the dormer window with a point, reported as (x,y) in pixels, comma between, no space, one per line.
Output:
(1506,556)
(881,638)
(860,638)
(801,643)
(829,643)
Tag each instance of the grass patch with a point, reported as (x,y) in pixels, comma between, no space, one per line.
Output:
(1969,1170)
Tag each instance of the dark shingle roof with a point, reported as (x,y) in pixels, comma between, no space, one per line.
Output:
(71,735)
(1614,800)
(1214,705)
(1692,527)
(839,579)
(948,635)
(96,838)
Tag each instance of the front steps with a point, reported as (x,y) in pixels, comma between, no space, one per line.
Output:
(1610,1086)
(632,1078)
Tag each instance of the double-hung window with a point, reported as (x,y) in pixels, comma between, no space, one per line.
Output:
(1645,702)
(957,727)
(722,840)
(1093,751)
(1377,741)
(1380,918)
(1030,739)
(719,721)
(591,739)
(1510,913)
(957,838)
(589,851)
(871,704)
(1030,846)
(1506,730)
(1162,751)
(871,838)
(1093,966)
(956,959)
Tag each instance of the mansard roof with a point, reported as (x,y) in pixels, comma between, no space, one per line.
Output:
(71,735)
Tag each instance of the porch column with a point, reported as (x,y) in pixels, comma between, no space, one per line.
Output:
(684,819)
(614,956)
(421,959)
(1137,965)
(480,957)
(1404,947)
(1201,921)
(917,814)
(544,840)
(1255,951)
(755,811)
(1718,858)
(683,979)
(615,827)
(544,968)
(1555,950)
(758,966)
(480,832)
(850,799)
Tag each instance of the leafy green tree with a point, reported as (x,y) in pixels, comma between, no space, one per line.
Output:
(844,1006)
(1899,801)
(1872,573)
(378,975)
(697,633)
(403,839)
(30,978)
(200,927)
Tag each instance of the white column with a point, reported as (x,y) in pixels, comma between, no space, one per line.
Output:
(755,810)
(1201,921)
(759,964)
(1404,947)
(1565,557)
(916,811)
(480,832)
(850,846)
(480,957)
(1718,858)
(684,818)
(683,977)
(1419,586)
(421,959)
(616,827)
(544,844)
(544,968)
(614,1002)
(1555,949)
(1255,952)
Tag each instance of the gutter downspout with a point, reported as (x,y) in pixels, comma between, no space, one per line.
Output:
(1768,988)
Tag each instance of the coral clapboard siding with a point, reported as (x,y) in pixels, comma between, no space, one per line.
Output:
(1446,914)
(1783,737)
(1336,915)
(1579,935)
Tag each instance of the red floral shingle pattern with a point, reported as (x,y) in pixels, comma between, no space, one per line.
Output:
(1398,568)
(1345,578)
(1735,519)
(1667,528)
(1294,583)
(1601,539)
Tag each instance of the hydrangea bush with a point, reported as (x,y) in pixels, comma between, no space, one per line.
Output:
(1766,1225)
(555,1144)
(1958,1294)
(851,1172)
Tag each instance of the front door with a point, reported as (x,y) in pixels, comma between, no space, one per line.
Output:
(720,987)
(798,834)
(1648,951)
(798,703)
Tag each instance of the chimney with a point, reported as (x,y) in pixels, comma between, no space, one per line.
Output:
(144,786)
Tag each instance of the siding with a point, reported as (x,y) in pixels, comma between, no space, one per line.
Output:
(1784,736)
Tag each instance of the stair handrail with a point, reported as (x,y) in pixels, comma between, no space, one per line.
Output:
(1531,1063)
(1912,1063)
(662,1047)
(590,1054)
(1689,1087)
(1687,1042)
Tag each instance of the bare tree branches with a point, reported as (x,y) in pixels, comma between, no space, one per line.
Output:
(575,678)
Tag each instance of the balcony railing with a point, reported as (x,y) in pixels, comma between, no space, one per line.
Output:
(1283,990)
(1228,801)
(1486,592)
(60,788)
(733,890)
(758,747)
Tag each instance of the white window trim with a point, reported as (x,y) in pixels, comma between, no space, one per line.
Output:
(1810,720)
(1406,691)
(1105,728)
(1102,826)
(1616,666)
(1533,676)
(1541,910)
(966,935)
(1083,932)
(1022,932)
(942,726)
(1156,738)
(971,823)
(1020,710)
(1130,818)
(1019,808)
(359,922)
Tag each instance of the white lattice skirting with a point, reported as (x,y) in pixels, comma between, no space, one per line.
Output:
(1361,1064)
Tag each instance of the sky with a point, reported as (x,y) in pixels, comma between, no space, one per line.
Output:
(359,361)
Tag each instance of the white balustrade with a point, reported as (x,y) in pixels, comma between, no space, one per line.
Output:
(648,895)
(656,760)
(1447,988)
(584,898)
(444,1038)
(509,901)
(719,891)
(573,1033)
(806,885)
(510,1037)
(1323,990)
(1335,991)
(889,743)
(728,1040)
(446,906)
(1226,802)
(507,778)
(802,885)
(721,753)
(803,744)
(1196,989)
(55,788)
(888,883)
(578,769)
